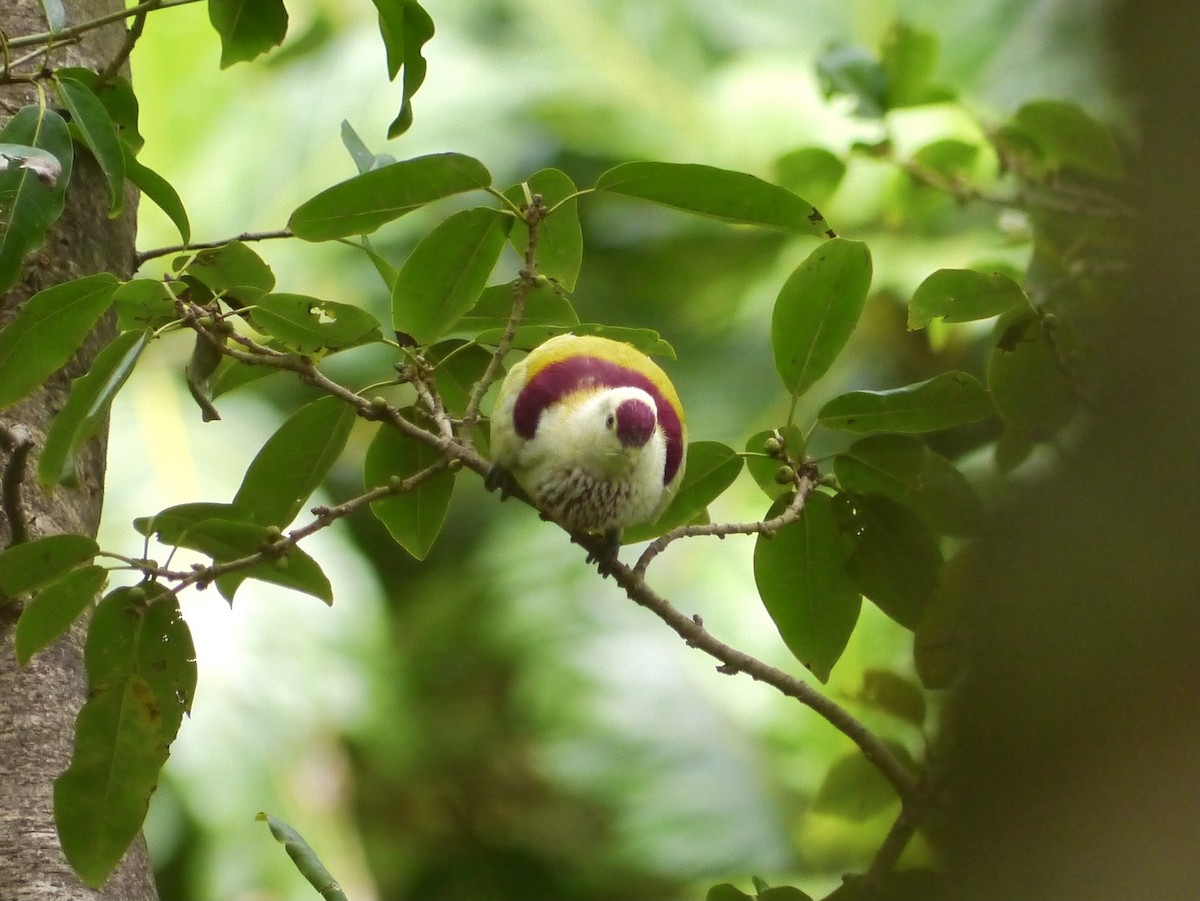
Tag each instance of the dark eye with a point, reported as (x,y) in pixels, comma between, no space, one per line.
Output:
(610,421)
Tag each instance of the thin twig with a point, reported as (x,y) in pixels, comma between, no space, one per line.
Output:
(692,631)
(131,38)
(142,256)
(804,486)
(533,214)
(75,31)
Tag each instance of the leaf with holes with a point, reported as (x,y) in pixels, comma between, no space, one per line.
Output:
(311,325)
(29,204)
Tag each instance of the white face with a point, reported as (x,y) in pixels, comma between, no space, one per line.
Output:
(597,429)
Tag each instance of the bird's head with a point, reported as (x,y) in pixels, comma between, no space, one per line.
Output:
(613,426)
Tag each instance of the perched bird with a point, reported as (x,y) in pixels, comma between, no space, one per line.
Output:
(593,431)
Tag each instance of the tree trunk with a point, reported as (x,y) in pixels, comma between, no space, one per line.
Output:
(38,704)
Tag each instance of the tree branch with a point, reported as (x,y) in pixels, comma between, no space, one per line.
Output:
(18,442)
(76,31)
(142,256)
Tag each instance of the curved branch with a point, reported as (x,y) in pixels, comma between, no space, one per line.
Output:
(142,256)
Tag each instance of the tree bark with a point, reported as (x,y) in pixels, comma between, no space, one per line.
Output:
(38,703)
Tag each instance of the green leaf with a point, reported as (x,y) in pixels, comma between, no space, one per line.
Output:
(963,295)
(294,461)
(304,857)
(141,678)
(1031,392)
(405,28)
(415,517)
(717,193)
(909,57)
(28,204)
(946,400)
(544,307)
(783,893)
(119,101)
(893,694)
(896,557)
(98,134)
(726,891)
(232,270)
(801,577)
(294,569)
(764,468)
(145,303)
(49,328)
(855,72)
(646,340)
(310,325)
(1062,136)
(30,565)
(54,608)
(228,538)
(948,156)
(855,789)
(247,27)
(906,470)
(817,309)
(811,172)
(458,365)
(711,467)
(364,159)
(86,410)
(361,204)
(172,524)
(560,240)
(159,190)
(445,274)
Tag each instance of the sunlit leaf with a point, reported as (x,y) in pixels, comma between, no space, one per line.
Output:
(86,410)
(963,295)
(1031,391)
(560,240)
(817,309)
(247,27)
(905,469)
(801,577)
(414,518)
(28,204)
(361,204)
(310,325)
(52,610)
(445,274)
(946,400)
(717,193)
(294,461)
(31,564)
(141,678)
(98,134)
(364,159)
(711,468)
(294,569)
